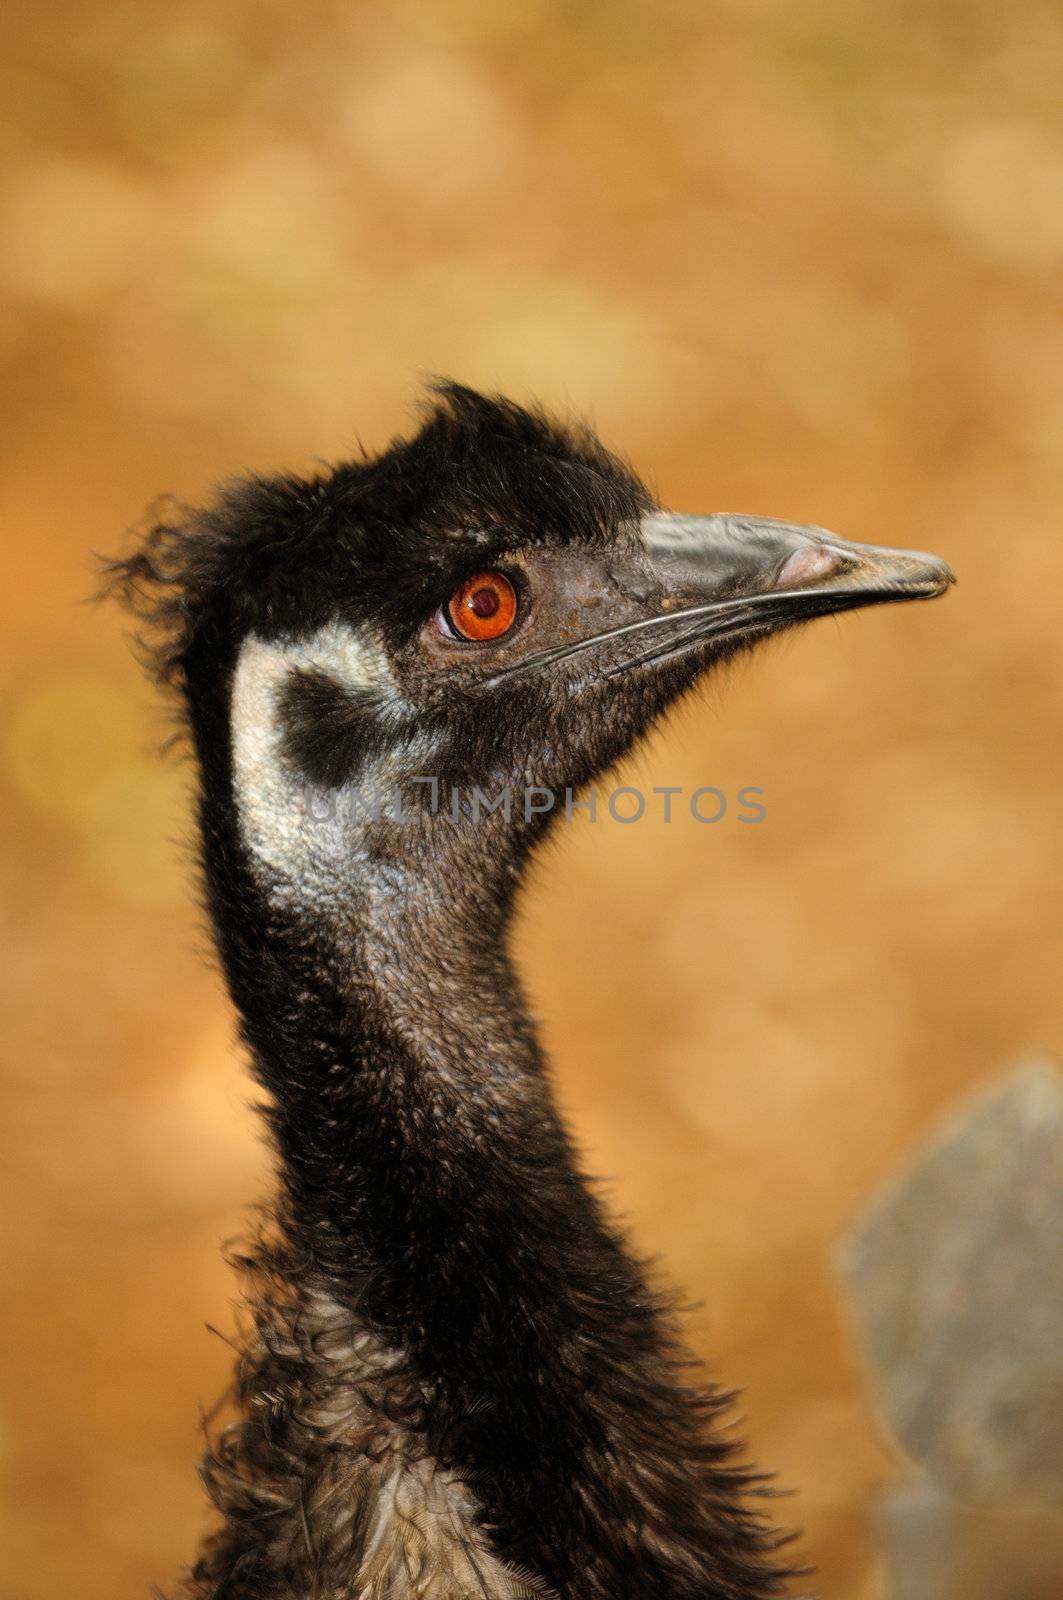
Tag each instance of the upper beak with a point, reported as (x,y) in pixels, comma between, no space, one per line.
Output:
(780,570)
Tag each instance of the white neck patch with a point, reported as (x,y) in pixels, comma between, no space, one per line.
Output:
(295,832)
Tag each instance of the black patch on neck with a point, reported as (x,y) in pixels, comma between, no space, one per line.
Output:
(330,730)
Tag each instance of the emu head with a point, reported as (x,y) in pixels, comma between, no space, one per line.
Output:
(494,604)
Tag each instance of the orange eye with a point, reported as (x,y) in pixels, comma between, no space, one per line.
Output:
(485,607)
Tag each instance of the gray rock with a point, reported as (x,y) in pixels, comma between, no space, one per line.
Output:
(956,1272)
(917,1528)
(937,1549)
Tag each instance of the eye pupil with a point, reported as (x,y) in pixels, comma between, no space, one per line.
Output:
(484,608)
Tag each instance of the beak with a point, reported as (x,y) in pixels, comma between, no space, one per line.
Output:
(782,572)
(717,580)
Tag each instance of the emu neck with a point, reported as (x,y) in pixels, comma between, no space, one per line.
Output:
(429,1181)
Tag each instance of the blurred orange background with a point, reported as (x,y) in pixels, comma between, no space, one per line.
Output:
(805,261)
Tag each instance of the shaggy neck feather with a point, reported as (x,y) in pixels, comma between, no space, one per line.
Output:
(429,1178)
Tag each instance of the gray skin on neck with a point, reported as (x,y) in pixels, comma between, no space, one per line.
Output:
(402,895)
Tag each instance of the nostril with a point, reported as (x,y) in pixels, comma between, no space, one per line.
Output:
(807,565)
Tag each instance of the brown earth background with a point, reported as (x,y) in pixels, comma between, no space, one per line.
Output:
(797,259)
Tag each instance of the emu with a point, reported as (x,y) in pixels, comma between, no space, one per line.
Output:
(454,1380)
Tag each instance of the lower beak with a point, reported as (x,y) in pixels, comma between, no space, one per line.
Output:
(782,572)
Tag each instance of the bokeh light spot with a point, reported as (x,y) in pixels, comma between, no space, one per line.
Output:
(139,812)
(65,735)
(1001,184)
(437,127)
(71,231)
(77,748)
